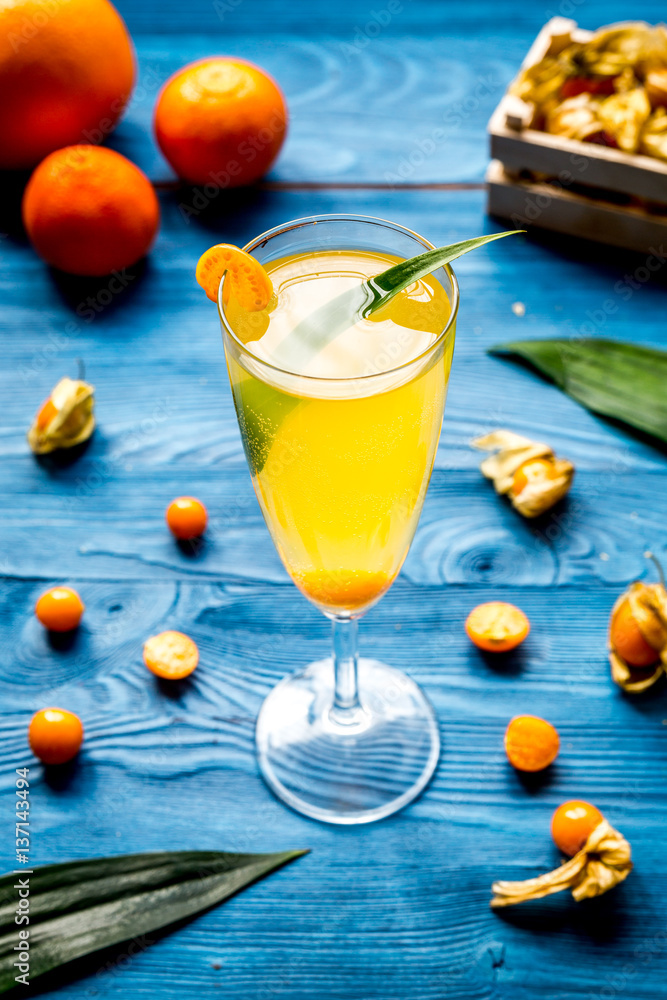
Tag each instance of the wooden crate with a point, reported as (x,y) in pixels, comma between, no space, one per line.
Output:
(524,156)
(536,203)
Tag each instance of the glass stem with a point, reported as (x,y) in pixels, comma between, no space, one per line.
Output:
(346,707)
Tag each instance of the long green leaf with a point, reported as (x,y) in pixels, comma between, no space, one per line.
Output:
(313,333)
(84,906)
(388,284)
(610,377)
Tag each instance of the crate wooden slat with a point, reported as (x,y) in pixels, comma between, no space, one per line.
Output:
(534,203)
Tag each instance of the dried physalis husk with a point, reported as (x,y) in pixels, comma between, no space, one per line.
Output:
(623,116)
(575,118)
(647,608)
(653,140)
(603,862)
(526,470)
(636,44)
(656,88)
(65,419)
(541,83)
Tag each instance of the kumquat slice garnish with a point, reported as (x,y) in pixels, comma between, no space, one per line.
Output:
(250,284)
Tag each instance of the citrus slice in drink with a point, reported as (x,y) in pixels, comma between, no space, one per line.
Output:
(250,284)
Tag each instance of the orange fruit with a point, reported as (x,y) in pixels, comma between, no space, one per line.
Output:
(531,743)
(497,626)
(66,74)
(220,122)
(628,639)
(55,736)
(248,280)
(536,470)
(171,655)
(88,210)
(59,609)
(572,824)
(186,517)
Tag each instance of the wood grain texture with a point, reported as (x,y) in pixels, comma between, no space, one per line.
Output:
(399,909)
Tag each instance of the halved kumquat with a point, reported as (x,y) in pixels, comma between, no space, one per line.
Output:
(250,284)
(497,626)
(171,655)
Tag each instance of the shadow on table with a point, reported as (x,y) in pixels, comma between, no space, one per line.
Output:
(231,215)
(60,777)
(88,298)
(604,920)
(11,225)
(506,664)
(606,260)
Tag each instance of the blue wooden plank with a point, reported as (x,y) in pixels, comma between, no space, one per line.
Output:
(171,376)
(406,109)
(406,899)
(393,112)
(423,18)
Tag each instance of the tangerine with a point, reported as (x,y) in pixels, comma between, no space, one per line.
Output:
(66,74)
(89,211)
(221,122)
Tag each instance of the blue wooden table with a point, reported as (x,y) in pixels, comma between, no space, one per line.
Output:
(388,118)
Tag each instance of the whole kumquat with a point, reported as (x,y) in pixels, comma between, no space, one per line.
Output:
(628,639)
(497,626)
(186,517)
(59,609)
(171,655)
(248,280)
(531,743)
(55,735)
(572,824)
(47,412)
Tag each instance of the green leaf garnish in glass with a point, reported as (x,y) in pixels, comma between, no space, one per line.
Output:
(360,302)
(388,284)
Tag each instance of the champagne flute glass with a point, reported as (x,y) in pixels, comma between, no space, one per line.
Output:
(340,439)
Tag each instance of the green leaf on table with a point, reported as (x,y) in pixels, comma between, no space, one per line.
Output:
(609,377)
(84,906)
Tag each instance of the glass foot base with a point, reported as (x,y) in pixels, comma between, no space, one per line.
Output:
(359,767)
